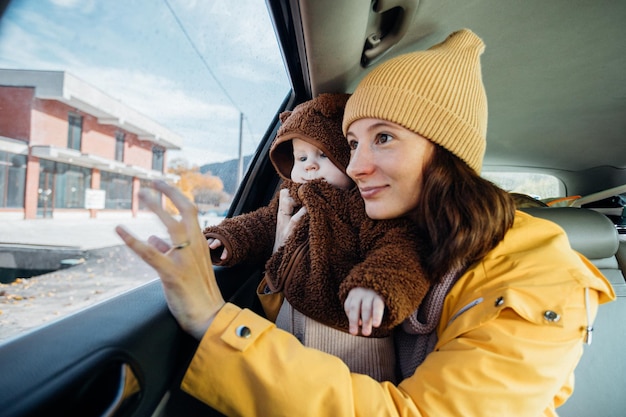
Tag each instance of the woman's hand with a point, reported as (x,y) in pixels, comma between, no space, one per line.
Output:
(365,308)
(185,267)
(286,219)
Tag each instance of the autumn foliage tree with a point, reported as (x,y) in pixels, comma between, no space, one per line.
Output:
(203,189)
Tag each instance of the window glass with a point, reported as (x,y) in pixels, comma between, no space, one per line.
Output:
(16,181)
(119,190)
(75,131)
(119,145)
(12,178)
(157,159)
(45,196)
(186,84)
(71,183)
(539,186)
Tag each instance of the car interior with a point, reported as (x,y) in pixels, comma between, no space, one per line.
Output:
(556,85)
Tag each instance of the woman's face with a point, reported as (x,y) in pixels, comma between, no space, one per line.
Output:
(386,163)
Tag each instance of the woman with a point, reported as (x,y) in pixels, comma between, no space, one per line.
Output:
(335,255)
(499,334)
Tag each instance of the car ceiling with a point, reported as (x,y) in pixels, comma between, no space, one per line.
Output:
(555,71)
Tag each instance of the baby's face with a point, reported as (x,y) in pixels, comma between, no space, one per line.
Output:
(310,163)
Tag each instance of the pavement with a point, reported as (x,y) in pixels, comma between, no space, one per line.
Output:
(82,233)
(102,266)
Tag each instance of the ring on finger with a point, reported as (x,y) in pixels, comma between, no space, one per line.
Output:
(181,245)
(178,247)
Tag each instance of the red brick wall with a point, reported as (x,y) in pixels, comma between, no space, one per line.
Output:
(15,112)
(50,123)
(98,139)
(137,152)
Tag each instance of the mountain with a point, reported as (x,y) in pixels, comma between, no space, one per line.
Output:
(227,172)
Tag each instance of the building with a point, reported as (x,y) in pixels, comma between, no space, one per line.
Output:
(67,148)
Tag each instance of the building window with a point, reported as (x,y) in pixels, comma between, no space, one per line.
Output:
(12,179)
(119,145)
(75,131)
(157,159)
(64,184)
(71,183)
(119,190)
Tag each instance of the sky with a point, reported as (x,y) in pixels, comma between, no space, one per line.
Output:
(191,65)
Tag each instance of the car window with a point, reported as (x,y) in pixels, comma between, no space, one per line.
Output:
(538,186)
(98,99)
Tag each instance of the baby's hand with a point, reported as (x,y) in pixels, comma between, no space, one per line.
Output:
(365,308)
(216,243)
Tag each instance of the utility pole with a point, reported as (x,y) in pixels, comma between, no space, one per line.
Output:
(240,166)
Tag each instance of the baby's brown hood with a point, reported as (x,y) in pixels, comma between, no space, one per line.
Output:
(318,122)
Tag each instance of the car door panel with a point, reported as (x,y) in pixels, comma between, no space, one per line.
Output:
(84,364)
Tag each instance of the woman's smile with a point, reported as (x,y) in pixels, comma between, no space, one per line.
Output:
(371,192)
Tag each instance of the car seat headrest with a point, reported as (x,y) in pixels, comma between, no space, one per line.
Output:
(589,232)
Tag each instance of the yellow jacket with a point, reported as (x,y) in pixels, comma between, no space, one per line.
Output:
(511,333)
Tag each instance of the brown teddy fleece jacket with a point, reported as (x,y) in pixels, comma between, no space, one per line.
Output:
(334,248)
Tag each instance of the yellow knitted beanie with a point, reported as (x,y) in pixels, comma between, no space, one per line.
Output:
(437,93)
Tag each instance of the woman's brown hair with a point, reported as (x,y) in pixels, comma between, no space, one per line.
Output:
(462,215)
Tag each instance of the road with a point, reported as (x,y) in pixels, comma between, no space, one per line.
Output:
(108,268)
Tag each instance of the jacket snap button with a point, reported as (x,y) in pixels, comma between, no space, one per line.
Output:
(499,301)
(551,315)
(243,331)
